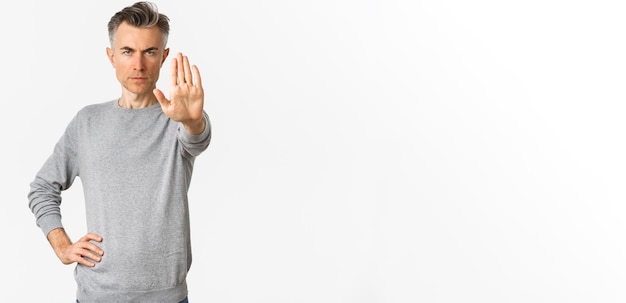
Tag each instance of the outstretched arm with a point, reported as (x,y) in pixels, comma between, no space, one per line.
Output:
(187,96)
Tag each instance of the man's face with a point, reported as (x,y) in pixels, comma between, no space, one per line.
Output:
(137,55)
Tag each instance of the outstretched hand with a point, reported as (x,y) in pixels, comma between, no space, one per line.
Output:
(186,95)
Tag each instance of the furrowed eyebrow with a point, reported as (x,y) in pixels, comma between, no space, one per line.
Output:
(151,49)
(126,48)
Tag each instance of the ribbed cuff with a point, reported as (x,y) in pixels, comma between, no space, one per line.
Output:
(49,223)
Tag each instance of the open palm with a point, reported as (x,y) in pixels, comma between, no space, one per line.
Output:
(186,94)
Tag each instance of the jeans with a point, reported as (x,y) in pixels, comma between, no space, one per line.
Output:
(185,300)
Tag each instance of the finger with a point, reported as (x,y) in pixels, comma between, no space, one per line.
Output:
(82,245)
(95,237)
(90,247)
(91,255)
(85,253)
(88,259)
(174,72)
(196,76)
(160,96)
(181,69)
(83,261)
(90,236)
(188,78)
(80,255)
(165,104)
(85,243)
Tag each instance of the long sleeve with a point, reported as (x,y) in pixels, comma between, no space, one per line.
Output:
(194,145)
(56,175)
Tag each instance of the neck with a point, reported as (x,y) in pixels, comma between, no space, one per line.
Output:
(136,101)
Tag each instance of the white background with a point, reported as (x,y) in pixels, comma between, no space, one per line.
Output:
(363,151)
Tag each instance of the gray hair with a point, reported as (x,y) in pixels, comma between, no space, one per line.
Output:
(141,14)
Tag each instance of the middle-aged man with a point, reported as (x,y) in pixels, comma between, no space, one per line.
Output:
(134,156)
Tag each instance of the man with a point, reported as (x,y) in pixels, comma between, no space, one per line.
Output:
(134,156)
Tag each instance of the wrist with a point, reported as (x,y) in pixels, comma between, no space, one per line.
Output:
(59,240)
(195,127)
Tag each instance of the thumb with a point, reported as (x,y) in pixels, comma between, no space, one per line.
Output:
(160,96)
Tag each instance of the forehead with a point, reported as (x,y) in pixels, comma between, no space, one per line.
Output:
(142,37)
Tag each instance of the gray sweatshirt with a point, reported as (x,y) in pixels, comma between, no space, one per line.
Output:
(135,166)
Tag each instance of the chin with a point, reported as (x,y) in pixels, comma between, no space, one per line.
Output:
(139,90)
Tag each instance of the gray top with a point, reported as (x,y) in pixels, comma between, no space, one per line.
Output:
(135,166)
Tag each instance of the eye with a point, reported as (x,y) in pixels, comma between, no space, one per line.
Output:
(150,52)
(126,51)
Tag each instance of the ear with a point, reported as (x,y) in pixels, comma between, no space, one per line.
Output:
(110,56)
(165,53)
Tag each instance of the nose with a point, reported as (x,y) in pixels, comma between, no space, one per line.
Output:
(138,62)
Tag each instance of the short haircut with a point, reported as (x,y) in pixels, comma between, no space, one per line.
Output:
(141,14)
